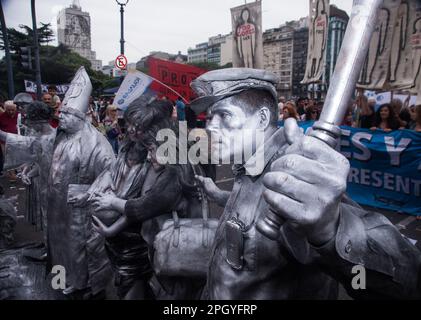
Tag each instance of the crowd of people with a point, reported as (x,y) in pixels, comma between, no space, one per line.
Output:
(108,119)
(363,113)
(105,116)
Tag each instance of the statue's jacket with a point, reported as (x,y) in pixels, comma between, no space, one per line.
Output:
(291,267)
(78,159)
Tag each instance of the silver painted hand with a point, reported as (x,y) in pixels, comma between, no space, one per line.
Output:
(305,187)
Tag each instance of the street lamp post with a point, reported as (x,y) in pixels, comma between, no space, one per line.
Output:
(122,4)
(36,49)
(10,80)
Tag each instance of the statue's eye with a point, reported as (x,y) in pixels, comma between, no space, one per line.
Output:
(226,115)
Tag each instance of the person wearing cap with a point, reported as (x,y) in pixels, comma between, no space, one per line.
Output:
(324,234)
(81,153)
(34,152)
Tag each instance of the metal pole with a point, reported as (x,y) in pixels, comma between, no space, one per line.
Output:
(36,49)
(122,29)
(348,67)
(10,82)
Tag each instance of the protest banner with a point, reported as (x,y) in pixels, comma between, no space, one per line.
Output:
(385,167)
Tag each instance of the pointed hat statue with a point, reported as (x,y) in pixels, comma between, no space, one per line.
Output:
(76,100)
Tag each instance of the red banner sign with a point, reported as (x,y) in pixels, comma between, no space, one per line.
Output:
(177,76)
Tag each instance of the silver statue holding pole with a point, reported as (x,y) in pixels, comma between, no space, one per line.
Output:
(288,230)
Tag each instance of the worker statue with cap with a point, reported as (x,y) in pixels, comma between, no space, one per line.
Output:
(80,154)
(325,237)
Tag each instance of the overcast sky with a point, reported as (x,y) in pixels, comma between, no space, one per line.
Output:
(156,25)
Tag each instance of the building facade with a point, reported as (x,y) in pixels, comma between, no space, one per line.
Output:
(198,54)
(338,21)
(278,56)
(299,60)
(74,31)
(217,50)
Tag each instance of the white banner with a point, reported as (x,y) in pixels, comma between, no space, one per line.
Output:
(31,87)
(247,46)
(401,75)
(134,85)
(317,40)
(374,74)
(415,40)
(386,97)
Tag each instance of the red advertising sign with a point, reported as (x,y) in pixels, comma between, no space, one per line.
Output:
(177,76)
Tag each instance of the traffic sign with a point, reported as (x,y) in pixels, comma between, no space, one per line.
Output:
(121,62)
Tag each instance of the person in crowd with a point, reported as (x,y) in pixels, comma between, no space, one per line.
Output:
(112,128)
(386,119)
(366,112)
(92,114)
(9,118)
(348,118)
(181,109)
(191,118)
(289,111)
(401,112)
(8,124)
(48,100)
(311,103)
(172,110)
(416,117)
(281,103)
(319,105)
(311,114)
(103,109)
(302,104)
(55,99)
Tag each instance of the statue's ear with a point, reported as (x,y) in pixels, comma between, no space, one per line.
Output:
(264,114)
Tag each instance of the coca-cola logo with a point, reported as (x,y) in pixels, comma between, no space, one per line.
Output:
(245,30)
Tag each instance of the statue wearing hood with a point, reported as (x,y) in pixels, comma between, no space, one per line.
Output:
(80,154)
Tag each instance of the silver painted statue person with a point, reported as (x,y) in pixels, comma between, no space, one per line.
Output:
(34,153)
(138,202)
(324,235)
(81,154)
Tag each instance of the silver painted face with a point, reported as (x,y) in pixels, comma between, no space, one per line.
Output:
(232,130)
(36,126)
(68,122)
(134,134)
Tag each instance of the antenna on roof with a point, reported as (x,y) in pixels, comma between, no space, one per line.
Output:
(76,4)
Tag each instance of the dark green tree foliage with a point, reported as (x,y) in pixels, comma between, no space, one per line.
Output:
(58,64)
